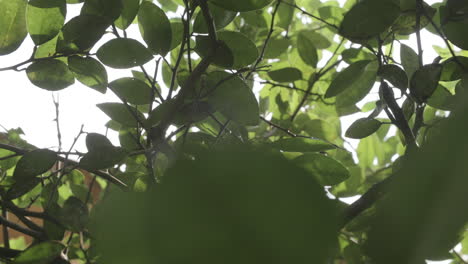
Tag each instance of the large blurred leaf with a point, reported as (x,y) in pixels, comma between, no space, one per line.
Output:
(45,18)
(132,90)
(236,52)
(122,53)
(42,253)
(232,97)
(155,28)
(301,144)
(233,209)
(326,170)
(89,72)
(241,5)
(368,18)
(81,33)
(425,81)
(50,74)
(12,25)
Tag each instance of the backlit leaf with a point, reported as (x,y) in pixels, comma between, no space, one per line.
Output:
(45,18)
(12,25)
(241,5)
(123,53)
(289,74)
(327,171)
(155,28)
(362,128)
(89,72)
(425,81)
(121,114)
(50,74)
(133,90)
(42,253)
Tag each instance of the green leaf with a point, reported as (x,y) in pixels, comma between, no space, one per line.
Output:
(285,14)
(241,5)
(276,47)
(451,69)
(21,187)
(348,78)
(123,53)
(45,18)
(129,11)
(155,28)
(288,74)
(406,22)
(34,163)
(177,29)
(395,75)
(456,31)
(50,74)
(12,25)
(95,142)
(301,144)
(362,128)
(327,171)
(221,18)
(110,9)
(81,33)
(367,19)
(233,98)
(121,114)
(238,50)
(307,50)
(42,253)
(442,99)
(89,72)
(74,214)
(47,49)
(133,90)
(319,41)
(424,81)
(102,158)
(353,55)
(409,60)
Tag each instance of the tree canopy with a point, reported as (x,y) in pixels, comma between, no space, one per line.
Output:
(231,146)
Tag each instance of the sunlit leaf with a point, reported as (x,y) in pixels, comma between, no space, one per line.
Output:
(50,74)
(89,72)
(12,25)
(45,18)
(41,253)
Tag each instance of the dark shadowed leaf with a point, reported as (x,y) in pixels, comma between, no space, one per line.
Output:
(95,141)
(34,163)
(133,90)
(81,33)
(42,253)
(233,98)
(74,214)
(221,18)
(121,114)
(362,128)
(177,29)
(110,9)
(238,51)
(442,99)
(241,5)
(452,70)
(327,171)
(128,14)
(21,187)
(307,50)
(424,81)
(300,144)
(89,72)
(45,18)
(123,53)
(12,25)
(50,74)
(319,41)
(395,75)
(457,31)
(155,28)
(288,74)
(368,19)
(347,78)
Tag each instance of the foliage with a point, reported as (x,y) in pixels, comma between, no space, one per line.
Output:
(232,151)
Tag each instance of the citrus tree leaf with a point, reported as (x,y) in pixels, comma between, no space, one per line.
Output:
(276,47)
(347,78)
(368,18)
(409,60)
(241,5)
(12,25)
(129,11)
(221,18)
(34,163)
(45,18)
(300,144)
(232,97)
(177,29)
(424,81)
(74,214)
(238,51)
(95,141)
(102,158)
(319,41)
(442,99)
(21,187)
(133,90)
(307,50)
(121,114)
(327,171)
(81,33)
(89,72)
(456,31)
(109,9)
(50,74)
(395,75)
(41,253)
(288,74)
(123,53)
(155,28)
(362,128)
